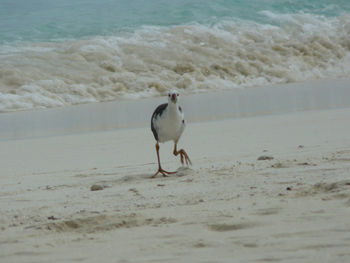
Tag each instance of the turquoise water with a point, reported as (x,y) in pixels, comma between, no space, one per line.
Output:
(63,52)
(47,20)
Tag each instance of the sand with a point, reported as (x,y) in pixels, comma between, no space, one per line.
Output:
(291,206)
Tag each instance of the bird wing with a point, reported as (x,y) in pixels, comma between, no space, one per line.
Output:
(157,113)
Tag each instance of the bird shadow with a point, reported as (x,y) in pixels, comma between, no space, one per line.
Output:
(183,171)
(180,172)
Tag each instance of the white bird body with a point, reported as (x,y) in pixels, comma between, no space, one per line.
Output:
(168,124)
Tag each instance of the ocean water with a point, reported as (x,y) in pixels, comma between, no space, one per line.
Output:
(62,52)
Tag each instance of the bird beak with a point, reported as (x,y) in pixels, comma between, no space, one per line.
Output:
(173,97)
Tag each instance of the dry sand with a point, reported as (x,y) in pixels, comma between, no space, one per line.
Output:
(228,207)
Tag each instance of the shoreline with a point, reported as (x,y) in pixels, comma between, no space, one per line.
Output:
(312,95)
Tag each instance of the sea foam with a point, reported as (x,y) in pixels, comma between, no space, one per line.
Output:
(193,58)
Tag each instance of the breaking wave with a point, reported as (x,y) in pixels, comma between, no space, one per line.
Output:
(193,58)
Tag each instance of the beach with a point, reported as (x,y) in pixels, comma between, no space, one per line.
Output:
(269,187)
(264,86)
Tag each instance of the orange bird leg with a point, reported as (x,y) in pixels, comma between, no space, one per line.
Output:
(183,155)
(160,170)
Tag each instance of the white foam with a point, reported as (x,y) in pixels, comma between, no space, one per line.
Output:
(193,58)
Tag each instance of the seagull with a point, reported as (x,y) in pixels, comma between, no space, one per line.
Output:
(168,124)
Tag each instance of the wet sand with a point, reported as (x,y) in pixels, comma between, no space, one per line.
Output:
(119,114)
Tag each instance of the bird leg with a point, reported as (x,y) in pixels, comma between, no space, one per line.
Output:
(183,155)
(160,170)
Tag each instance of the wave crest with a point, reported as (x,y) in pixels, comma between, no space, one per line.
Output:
(193,58)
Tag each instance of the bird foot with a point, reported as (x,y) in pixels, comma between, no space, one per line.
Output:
(184,158)
(163,172)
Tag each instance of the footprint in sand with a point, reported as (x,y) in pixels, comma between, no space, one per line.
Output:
(230,227)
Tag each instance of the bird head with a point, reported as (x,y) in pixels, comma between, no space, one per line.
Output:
(173,96)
